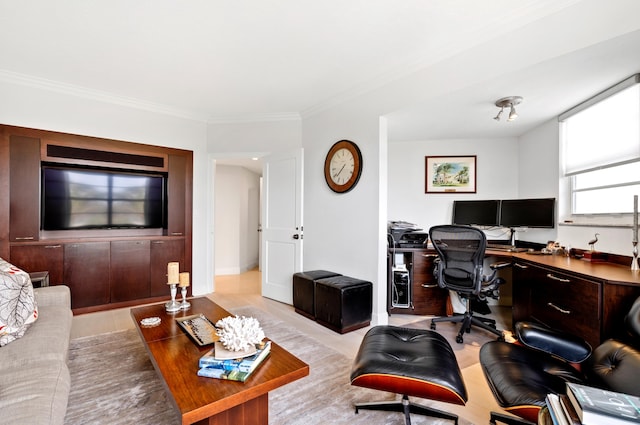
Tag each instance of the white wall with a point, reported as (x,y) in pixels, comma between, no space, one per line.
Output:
(496,177)
(237,203)
(28,106)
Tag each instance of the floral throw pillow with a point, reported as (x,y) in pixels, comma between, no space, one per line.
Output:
(18,307)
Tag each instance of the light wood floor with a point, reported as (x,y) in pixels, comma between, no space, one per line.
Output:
(244,290)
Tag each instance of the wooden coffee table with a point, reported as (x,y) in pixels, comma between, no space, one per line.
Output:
(207,400)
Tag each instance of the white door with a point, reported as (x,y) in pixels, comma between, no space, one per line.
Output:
(281,224)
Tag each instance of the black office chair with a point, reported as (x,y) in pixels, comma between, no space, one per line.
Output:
(459,268)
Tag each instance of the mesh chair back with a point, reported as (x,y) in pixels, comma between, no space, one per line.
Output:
(461,253)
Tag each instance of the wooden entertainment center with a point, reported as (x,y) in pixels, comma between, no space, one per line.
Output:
(105,268)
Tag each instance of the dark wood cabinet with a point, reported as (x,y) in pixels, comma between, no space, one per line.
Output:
(40,258)
(176,194)
(87,273)
(558,299)
(163,251)
(24,188)
(130,262)
(130,269)
(424,297)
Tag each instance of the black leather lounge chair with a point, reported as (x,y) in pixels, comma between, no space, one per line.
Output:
(521,375)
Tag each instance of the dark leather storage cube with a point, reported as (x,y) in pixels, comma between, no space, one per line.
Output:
(343,303)
(304,289)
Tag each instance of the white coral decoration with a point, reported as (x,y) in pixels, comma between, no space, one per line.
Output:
(239,333)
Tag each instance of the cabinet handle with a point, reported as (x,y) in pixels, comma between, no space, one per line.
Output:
(559,279)
(561,310)
(157,242)
(520,266)
(25,238)
(429,255)
(52,246)
(426,285)
(176,233)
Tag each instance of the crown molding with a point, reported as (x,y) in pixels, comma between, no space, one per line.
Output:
(101,96)
(266,117)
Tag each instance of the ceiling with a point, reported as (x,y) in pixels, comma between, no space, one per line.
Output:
(250,60)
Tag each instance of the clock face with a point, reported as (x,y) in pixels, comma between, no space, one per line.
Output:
(343,166)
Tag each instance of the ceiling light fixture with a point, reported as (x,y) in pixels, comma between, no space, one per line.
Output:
(508,102)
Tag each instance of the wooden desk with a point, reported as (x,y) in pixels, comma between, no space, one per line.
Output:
(206,400)
(574,295)
(577,296)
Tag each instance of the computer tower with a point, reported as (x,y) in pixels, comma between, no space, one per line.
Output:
(401,286)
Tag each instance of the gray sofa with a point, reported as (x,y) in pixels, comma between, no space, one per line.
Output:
(34,378)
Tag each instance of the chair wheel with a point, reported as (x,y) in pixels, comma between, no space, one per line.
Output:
(459,339)
(433,326)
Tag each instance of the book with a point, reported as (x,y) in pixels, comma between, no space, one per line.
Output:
(243,363)
(596,406)
(569,410)
(555,410)
(235,374)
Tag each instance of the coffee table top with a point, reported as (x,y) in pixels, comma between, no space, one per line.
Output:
(175,357)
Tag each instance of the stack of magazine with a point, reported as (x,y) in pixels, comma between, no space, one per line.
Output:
(220,366)
(584,405)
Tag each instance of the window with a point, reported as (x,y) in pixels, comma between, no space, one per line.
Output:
(601,142)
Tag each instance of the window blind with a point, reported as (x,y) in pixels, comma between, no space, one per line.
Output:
(604,131)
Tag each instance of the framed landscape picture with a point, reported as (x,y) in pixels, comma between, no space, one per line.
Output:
(450,174)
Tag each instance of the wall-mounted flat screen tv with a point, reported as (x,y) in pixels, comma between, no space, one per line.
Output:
(528,212)
(477,213)
(88,198)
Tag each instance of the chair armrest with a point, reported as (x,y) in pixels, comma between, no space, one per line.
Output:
(557,343)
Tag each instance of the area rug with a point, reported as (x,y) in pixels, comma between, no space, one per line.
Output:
(113,382)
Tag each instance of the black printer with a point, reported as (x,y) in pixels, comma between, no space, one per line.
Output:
(406,235)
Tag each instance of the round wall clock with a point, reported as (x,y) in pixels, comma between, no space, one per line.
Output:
(343,166)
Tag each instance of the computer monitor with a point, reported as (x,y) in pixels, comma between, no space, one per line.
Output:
(476,213)
(538,212)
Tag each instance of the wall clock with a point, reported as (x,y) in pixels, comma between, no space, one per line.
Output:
(343,166)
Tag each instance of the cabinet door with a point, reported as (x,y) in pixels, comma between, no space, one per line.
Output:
(568,303)
(40,258)
(524,277)
(24,188)
(130,262)
(176,195)
(428,297)
(162,253)
(86,272)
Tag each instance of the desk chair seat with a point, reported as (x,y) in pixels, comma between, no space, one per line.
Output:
(409,362)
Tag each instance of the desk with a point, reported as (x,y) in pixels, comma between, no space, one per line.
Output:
(207,400)
(574,295)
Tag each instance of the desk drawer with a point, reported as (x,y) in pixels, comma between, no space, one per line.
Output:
(567,303)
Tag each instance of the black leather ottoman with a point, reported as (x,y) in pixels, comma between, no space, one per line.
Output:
(343,303)
(304,289)
(409,362)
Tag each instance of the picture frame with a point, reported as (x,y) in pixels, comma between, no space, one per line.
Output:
(450,174)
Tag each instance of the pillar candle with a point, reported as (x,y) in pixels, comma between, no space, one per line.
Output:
(173,271)
(635,218)
(184,279)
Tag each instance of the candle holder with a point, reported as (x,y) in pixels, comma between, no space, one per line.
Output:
(184,305)
(173,306)
(634,261)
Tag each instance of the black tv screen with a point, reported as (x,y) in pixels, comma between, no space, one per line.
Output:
(86,198)
(478,213)
(528,213)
